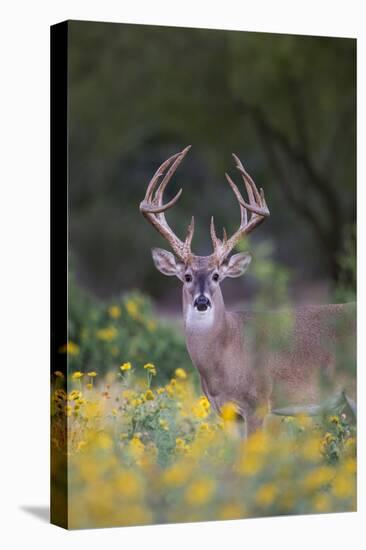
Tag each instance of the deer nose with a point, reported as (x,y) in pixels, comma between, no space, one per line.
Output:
(202,303)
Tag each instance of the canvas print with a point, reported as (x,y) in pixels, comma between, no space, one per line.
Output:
(203,275)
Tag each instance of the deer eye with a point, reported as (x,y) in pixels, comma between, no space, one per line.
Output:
(215,277)
(188,278)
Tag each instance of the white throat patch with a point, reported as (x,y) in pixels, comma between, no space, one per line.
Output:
(199,320)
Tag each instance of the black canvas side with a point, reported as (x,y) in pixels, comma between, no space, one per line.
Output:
(59,253)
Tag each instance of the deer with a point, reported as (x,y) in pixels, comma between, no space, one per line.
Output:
(252,360)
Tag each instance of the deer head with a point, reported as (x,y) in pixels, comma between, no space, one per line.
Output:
(201,275)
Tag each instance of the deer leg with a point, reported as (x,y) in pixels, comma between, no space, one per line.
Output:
(253,423)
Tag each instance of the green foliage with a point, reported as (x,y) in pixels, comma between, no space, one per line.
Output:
(346,287)
(108,334)
(272,277)
(338,431)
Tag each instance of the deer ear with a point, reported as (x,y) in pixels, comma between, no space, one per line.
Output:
(165,262)
(238,264)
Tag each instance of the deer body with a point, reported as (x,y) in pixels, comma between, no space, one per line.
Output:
(234,367)
(253,360)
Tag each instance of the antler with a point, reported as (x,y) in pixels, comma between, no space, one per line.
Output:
(257,207)
(153,209)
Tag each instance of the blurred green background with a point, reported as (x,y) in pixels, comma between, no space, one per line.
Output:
(285,104)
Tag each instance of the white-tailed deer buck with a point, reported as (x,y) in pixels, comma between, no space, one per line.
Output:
(249,359)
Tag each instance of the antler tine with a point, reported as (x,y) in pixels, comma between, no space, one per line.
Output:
(243,211)
(188,241)
(153,209)
(169,174)
(159,172)
(218,245)
(213,232)
(157,209)
(257,206)
(154,205)
(247,180)
(257,202)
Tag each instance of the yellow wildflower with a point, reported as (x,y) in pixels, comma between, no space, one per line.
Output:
(201,409)
(104,441)
(136,447)
(170,390)
(231,511)
(114,312)
(205,428)
(70,348)
(350,446)
(149,395)
(181,374)
(60,395)
(318,477)
(92,374)
(329,438)
(181,446)
(350,466)
(266,494)
(125,366)
(80,445)
(129,485)
(107,334)
(150,367)
(93,409)
(250,464)
(322,503)
(59,374)
(74,395)
(228,411)
(89,386)
(128,394)
(200,492)
(133,309)
(77,375)
(303,420)
(204,402)
(310,450)
(257,443)
(177,474)
(344,485)
(164,424)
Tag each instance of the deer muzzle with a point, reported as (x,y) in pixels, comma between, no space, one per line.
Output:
(202,303)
